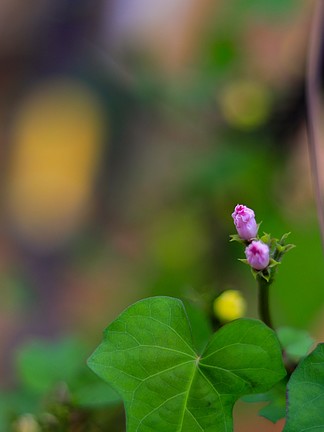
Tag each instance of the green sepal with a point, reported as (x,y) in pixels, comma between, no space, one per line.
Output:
(266,238)
(244,261)
(281,247)
(273,263)
(237,238)
(288,247)
(284,238)
(265,275)
(255,273)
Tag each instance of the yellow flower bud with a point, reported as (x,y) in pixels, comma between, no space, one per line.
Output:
(229,306)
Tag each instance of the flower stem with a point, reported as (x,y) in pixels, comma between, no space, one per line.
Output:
(264,306)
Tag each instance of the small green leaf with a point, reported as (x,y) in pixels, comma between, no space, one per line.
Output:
(295,342)
(276,409)
(306,394)
(276,398)
(148,356)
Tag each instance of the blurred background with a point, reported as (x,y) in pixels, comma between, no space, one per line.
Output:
(129,130)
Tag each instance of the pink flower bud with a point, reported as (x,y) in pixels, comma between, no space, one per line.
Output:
(244,220)
(257,254)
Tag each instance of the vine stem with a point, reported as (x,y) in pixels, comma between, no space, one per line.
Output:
(313,111)
(264,304)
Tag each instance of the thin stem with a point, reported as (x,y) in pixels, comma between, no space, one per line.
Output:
(264,306)
(313,105)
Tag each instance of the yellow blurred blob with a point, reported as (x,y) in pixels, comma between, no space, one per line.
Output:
(57,143)
(27,423)
(245,104)
(229,306)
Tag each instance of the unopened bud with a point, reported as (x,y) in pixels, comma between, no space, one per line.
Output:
(244,220)
(258,255)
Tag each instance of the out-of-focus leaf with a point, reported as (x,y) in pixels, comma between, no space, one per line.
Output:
(296,342)
(95,394)
(41,365)
(276,398)
(300,270)
(306,394)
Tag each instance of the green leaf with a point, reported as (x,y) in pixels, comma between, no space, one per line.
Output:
(296,342)
(276,409)
(276,398)
(95,394)
(42,364)
(148,356)
(200,325)
(306,394)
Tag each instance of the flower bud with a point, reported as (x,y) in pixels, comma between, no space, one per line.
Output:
(229,305)
(244,220)
(258,255)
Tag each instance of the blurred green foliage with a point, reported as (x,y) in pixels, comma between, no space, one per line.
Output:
(55,385)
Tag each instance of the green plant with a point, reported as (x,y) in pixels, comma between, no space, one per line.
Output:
(167,384)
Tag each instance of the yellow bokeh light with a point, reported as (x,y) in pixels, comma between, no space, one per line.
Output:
(245,104)
(57,142)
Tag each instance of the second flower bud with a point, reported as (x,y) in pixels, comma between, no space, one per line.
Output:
(258,255)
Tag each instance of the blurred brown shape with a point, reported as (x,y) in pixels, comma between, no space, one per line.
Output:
(169,31)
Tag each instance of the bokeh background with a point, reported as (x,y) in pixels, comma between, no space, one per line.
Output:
(129,130)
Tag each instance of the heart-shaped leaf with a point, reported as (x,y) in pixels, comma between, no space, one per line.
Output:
(148,357)
(306,394)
